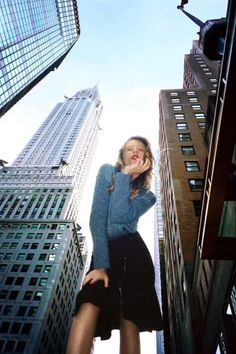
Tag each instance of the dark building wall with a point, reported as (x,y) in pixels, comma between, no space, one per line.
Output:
(182,163)
(40,268)
(180,168)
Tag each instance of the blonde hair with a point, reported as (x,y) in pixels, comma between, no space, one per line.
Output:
(143,181)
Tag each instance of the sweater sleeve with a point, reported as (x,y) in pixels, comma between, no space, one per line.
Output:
(124,210)
(98,218)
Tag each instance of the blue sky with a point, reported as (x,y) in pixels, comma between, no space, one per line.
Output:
(133,48)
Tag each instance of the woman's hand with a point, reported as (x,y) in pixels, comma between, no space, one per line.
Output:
(95,275)
(135,169)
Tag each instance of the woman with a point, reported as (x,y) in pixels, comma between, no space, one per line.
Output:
(118,291)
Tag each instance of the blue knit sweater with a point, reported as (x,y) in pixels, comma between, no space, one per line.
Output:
(113,214)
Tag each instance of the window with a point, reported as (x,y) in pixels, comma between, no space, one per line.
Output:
(195,184)
(42,257)
(34,246)
(20,256)
(177,108)
(24,268)
(9,280)
(25,246)
(184,137)
(179,116)
(13,295)
(202,125)
(5,245)
(29,256)
(3,268)
(193,99)
(175,100)
(43,282)
(21,311)
(38,295)
(62,227)
(4,327)
(34,226)
(192,166)
(15,329)
(174,94)
(32,311)
(38,268)
(18,236)
(188,150)
(199,115)
(191,93)
(55,246)
(181,126)
(8,256)
(46,246)
(7,310)
(26,328)
(47,268)
(20,346)
(19,281)
(33,281)
(3,294)
(27,296)
(14,245)
(10,346)
(197,204)
(195,107)
(51,257)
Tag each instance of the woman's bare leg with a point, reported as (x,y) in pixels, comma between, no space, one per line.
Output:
(129,337)
(83,329)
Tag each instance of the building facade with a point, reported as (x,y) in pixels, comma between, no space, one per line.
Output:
(215,267)
(182,164)
(199,198)
(42,251)
(162,337)
(35,38)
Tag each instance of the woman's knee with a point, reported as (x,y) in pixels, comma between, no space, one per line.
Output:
(87,312)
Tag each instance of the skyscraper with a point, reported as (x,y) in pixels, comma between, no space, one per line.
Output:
(35,37)
(159,261)
(198,191)
(41,246)
(182,163)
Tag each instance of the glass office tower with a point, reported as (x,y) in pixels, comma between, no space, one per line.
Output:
(42,251)
(35,36)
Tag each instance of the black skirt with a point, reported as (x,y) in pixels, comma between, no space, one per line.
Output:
(131,289)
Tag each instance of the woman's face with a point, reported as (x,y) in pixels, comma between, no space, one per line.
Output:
(133,150)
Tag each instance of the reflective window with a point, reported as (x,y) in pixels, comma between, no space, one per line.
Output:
(185,137)
(188,150)
(196,184)
(191,166)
